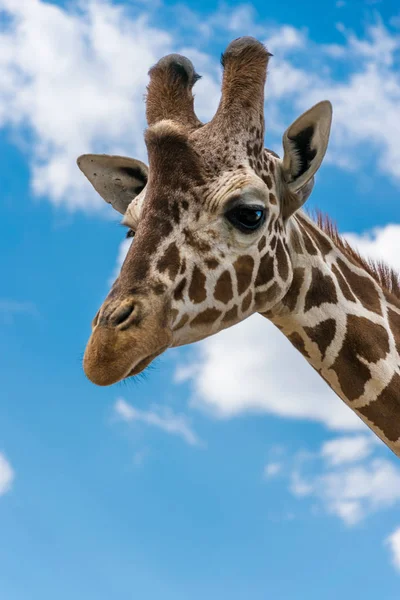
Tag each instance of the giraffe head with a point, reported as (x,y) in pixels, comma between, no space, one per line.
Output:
(209,216)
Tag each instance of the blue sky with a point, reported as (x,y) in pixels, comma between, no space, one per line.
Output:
(229,470)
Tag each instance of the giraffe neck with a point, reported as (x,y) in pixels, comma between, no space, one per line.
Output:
(346,324)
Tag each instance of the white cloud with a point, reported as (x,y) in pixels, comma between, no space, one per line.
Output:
(272,469)
(285,38)
(124,411)
(161,417)
(72,80)
(347,449)
(344,480)
(6,475)
(382,243)
(75,78)
(394,544)
(365,101)
(355,492)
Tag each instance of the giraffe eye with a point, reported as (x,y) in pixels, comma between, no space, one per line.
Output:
(130,233)
(246,218)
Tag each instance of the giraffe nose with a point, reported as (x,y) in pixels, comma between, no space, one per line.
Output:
(121,316)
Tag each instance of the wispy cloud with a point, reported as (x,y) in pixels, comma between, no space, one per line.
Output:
(348,449)
(6,475)
(344,480)
(354,492)
(161,417)
(272,469)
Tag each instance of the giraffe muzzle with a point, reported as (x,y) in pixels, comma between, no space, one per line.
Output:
(125,339)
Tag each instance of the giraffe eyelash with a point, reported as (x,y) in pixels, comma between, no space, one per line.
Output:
(130,233)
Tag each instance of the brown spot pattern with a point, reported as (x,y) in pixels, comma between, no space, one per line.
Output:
(310,248)
(244,266)
(265,270)
(183,266)
(261,243)
(346,291)
(182,322)
(322,289)
(290,300)
(323,243)
(247,301)
(206,317)
(283,265)
(384,411)
(261,298)
(231,315)
(223,289)
(363,287)
(295,242)
(178,293)
(197,288)
(170,261)
(298,342)
(271,225)
(363,339)
(394,324)
(211,263)
(322,334)
(268,181)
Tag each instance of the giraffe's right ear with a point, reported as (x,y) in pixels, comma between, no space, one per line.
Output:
(305,143)
(117,179)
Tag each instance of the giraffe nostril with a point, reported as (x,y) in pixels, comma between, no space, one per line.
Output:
(122,314)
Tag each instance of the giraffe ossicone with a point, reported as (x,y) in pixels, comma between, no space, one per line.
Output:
(220,234)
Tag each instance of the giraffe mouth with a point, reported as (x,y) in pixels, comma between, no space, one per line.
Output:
(144,363)
(113,356)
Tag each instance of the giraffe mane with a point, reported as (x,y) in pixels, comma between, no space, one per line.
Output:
(384,275)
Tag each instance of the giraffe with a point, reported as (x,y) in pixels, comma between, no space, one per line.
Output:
(220,233)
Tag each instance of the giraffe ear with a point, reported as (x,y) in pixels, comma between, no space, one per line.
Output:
(305,143)
(117,179)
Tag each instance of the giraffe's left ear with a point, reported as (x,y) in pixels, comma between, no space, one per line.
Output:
(118,179)
(305,143)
